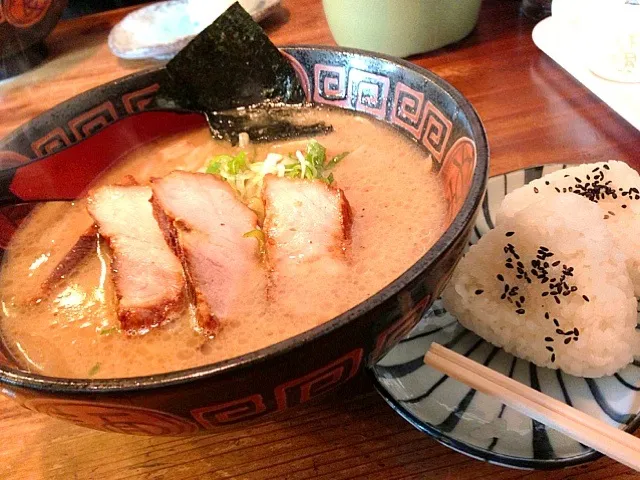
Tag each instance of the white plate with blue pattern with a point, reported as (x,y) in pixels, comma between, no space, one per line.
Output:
(479,425)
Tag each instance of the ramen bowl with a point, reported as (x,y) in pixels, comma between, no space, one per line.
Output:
(54,156)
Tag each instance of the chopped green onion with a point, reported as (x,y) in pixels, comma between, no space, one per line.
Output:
(93,370)
(335,160)
(214,167)
(246,177)
(330,178)
(238,163)
(316,154)
(107,330)
(258,235)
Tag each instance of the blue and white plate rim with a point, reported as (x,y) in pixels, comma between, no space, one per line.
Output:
(484,222)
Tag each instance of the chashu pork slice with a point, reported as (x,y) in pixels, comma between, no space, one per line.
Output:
(68,234)
(307,227)
(305,221)
(149,281)
(206,223)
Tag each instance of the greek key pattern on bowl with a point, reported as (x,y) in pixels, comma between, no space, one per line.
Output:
(137,101)
(330,85)
(55,140)
(379,95)
(437,132)
(119,418)
(113,417)
(93,120)
(285,396)
(229,412)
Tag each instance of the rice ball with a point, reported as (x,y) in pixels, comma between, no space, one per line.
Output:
(614,186)
(548,285)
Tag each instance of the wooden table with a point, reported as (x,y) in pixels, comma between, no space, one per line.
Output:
(534,113)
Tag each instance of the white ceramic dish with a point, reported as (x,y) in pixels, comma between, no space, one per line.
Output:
(479,425)
(551,36)
(161,30)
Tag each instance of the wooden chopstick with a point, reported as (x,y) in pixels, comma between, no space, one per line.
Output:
(613,442)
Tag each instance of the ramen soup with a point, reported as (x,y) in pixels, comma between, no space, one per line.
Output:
(72,292)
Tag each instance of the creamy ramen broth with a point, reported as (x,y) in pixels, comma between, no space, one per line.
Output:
(72,331)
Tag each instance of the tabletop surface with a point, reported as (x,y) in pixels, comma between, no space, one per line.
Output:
(534,113)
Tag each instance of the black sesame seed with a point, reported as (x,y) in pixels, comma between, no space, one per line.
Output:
(550,349)
(559,331)
(553,358)
(606,217)
(556,322)
(557,300)
(567,341)
(522,299)
(557,190)
(546,315)
(586,299)
(546,182)
(544,294)
(605,166)
(520,311)
(535,190)
(611,213)
(509,234)
(479,292)
(500,277)
(548,339)
(576,332)
(578,180)
(556,263)
(518,304)
(623,206)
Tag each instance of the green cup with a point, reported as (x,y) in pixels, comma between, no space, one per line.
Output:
(400,27)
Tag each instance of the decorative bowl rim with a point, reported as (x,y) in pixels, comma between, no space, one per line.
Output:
(464,216)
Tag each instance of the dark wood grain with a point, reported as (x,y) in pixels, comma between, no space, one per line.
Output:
(534,113)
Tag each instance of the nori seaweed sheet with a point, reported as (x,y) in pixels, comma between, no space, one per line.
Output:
(232,64)
(263,124)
